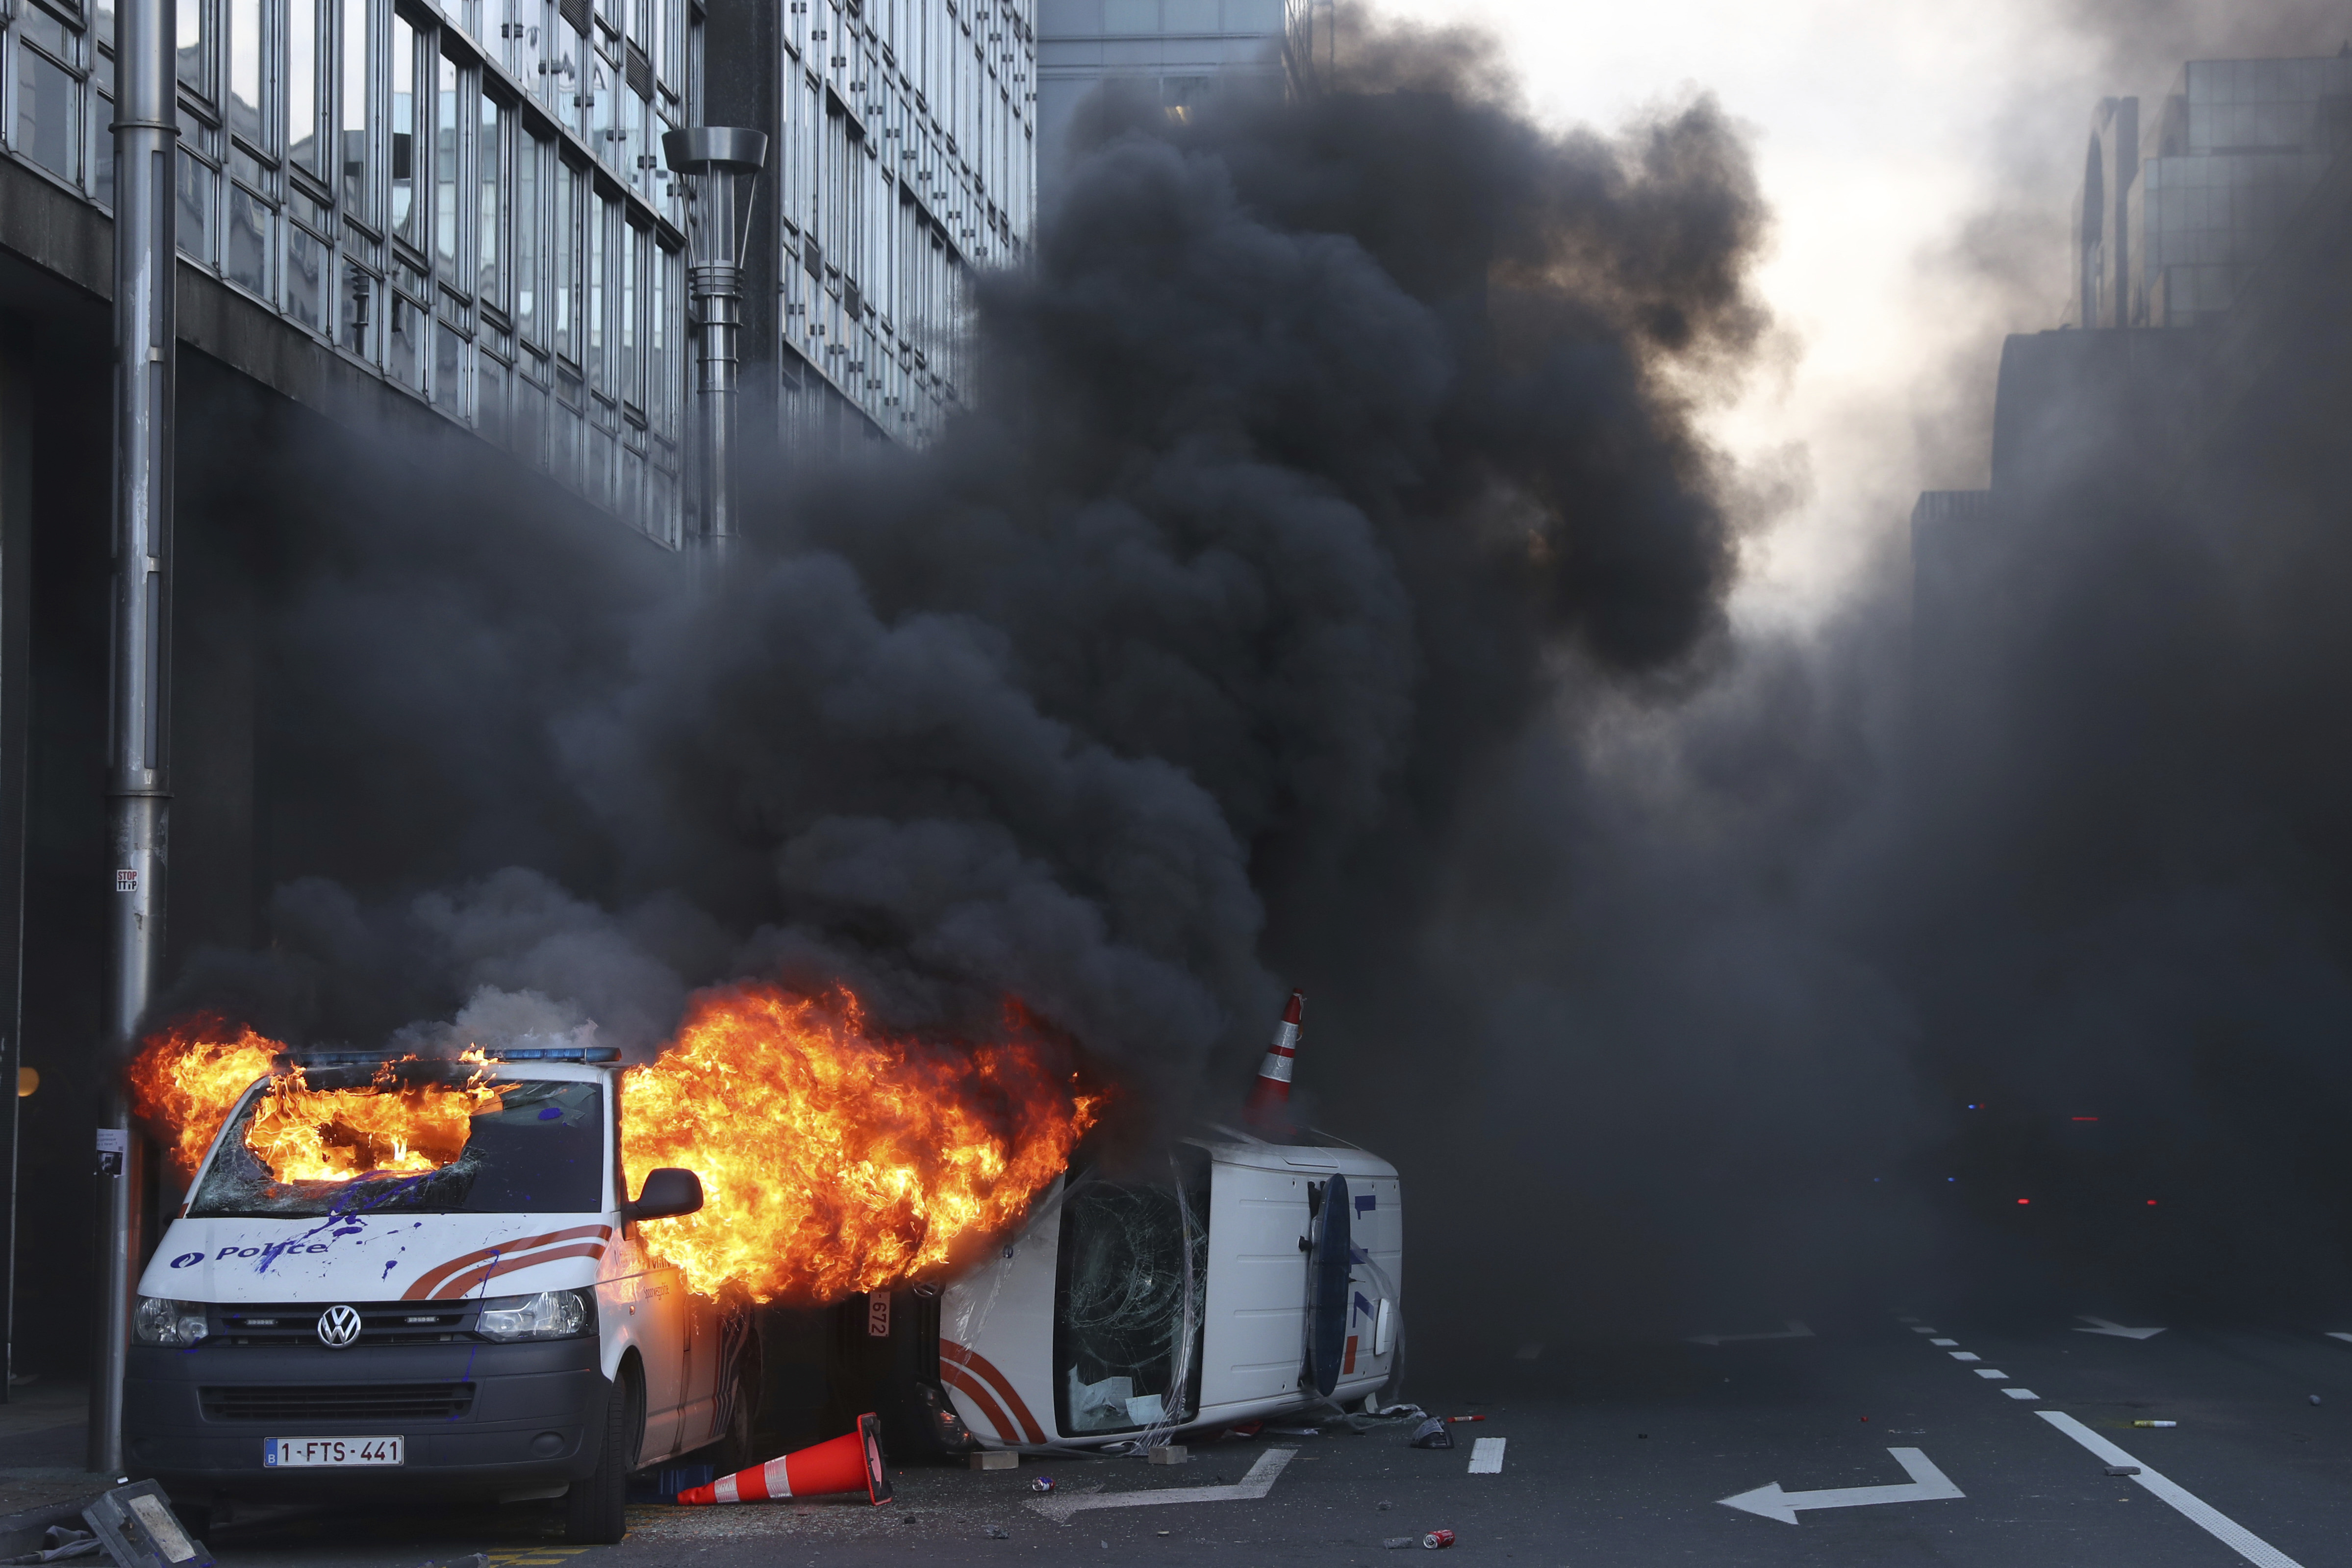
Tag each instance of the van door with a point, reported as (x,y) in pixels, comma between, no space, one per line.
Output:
(662,1315)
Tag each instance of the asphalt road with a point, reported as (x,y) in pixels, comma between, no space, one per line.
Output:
(1618,1456)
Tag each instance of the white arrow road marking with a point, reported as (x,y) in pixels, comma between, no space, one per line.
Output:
(1251,1487)
(1486,1457)
(2218,1525)
(1928,1484)
(1795,1330)
(2101,1325)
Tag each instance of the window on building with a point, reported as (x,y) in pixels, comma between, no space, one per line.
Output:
(245,244)
(403,130)
(567,261)
(245,84)
(446,213)
(44,130)
(599,381)
(304,143)
(194,58)
(529,154)
(193,194)
(490,162)
(358,48)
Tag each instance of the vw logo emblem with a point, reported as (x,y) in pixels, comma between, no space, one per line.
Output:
(339,1326)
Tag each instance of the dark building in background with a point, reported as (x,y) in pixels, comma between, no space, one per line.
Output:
(432,265)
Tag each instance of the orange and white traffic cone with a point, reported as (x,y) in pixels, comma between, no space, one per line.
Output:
(852,1462)
(1269,1101)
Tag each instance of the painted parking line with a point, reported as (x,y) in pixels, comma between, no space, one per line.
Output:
(1486,1457)
(2198,1512)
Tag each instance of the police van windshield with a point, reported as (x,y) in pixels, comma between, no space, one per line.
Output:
(413,1140)
(1132,1277)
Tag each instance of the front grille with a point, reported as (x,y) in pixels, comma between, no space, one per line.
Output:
(381,1324)
(337,1402)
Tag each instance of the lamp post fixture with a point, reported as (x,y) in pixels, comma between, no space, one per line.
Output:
(721,162)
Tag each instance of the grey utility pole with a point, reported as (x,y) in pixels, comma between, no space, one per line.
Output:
(139,773)
(722,162)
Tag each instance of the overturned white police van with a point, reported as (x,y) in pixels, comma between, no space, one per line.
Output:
(1253,1279)
(493,1327)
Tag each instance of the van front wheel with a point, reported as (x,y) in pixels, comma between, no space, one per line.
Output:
(595,1508)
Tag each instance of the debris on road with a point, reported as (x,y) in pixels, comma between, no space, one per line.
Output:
(996,1459)
(1042,1484)
(2122,1469)
(2315,1399)
(996,1532)
(1170,1453)
(849,1463)
(1450,1419)
(63,1542)
(1431,1433)
(1385,1507)
(2155,1423)
(1438,1539)
(1398,1543)
(1296,1431)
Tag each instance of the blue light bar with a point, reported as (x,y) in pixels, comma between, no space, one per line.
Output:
(533,1054)
(558,1054)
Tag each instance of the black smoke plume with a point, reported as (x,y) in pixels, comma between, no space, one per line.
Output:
(1319,442)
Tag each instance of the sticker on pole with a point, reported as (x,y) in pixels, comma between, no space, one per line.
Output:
(113,1148)
(126,880)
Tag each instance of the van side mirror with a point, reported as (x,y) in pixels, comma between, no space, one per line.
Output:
(668,1193)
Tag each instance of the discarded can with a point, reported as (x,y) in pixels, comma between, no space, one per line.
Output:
(2155,1423)
(1438,1539)
(1431,1433)
(1042,1484)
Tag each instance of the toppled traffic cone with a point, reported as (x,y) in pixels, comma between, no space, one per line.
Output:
(851,1462)
(1269,1101)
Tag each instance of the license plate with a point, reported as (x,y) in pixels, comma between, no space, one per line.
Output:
(308,1453)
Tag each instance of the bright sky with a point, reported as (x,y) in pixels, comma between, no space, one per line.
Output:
(1886,132)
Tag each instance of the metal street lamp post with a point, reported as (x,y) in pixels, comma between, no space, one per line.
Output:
(723,162)
(139,772)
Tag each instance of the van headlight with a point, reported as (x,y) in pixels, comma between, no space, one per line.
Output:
(549,1315)
(160,1322)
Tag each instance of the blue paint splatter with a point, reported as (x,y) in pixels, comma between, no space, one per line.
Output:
(388,1267)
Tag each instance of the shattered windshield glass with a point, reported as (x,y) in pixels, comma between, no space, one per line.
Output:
(427,1140)
(1133,1274)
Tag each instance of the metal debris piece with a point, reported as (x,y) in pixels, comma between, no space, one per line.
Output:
(140,1531)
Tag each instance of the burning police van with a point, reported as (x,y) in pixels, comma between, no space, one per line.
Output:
(426,1276)
(1256,1279)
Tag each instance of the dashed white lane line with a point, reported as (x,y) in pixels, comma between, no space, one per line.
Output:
(2206,1517)
(1486,1457)
(1966,1355)
(2345,1338)
(2020,1394)
(1946,1343)
(1996,1376)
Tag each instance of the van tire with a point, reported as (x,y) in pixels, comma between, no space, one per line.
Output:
(595,1508)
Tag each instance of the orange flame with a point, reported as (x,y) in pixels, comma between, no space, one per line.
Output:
(834,1158)
(306,1134)
(186,1078)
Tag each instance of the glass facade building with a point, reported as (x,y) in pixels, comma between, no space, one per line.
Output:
(2181,203)
(905,154)
(1176,51)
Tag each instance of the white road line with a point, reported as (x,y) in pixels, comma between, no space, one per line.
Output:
(1923,1329)
(2020,1394)
(1928,1484)
(2218,1525)
(1254,1485)
(1947,1343)
(1966,1355)
(1906,1320)
(1988,1372)
(1486,1456)
(2345,1338)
